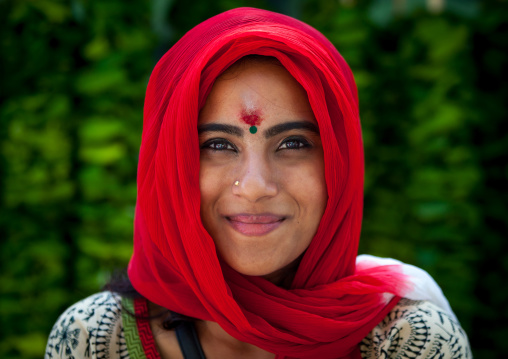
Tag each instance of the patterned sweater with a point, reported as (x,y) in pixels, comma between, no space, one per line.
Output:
(100,326)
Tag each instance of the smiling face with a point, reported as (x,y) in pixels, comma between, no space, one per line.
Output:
(263,191)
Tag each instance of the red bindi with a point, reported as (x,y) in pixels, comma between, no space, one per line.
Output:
(251,118)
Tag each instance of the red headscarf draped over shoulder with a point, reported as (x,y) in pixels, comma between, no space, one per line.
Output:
(332,305)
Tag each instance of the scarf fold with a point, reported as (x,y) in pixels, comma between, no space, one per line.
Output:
(332,305)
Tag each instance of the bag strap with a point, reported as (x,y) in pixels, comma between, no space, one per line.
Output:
(189,341)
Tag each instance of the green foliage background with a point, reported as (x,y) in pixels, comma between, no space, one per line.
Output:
(433,93)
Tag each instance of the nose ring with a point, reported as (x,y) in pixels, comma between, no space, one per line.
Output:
(237,183)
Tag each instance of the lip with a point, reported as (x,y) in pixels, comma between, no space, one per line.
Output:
(255,224)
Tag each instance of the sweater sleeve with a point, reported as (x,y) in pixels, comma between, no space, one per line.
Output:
(416,329)
(91,328)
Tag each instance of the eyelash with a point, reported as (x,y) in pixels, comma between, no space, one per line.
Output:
(303,144)
(218,141)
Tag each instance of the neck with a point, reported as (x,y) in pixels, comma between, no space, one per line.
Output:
(218,344)
(215,341)
(284,277)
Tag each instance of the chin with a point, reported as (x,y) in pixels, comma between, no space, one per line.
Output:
(256,271)
(276,271)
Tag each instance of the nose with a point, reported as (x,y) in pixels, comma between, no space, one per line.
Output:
(256,179)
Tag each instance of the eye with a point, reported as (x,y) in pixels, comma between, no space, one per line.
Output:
(218,144)
(294,143)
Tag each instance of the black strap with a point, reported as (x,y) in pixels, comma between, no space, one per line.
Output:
(189,341)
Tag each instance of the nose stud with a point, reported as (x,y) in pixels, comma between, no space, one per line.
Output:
(237,183)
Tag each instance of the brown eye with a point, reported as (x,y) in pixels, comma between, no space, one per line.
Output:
(218,145)
(294,143)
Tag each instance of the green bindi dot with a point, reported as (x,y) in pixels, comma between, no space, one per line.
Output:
(253,129)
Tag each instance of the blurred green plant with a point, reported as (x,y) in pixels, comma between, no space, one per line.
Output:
(432,106)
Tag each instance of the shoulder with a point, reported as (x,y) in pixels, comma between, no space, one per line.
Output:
(91,328)
(416,329)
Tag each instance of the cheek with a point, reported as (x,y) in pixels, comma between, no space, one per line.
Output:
(215,182)
(314,198)
(321,190)
(308,186)
(210,188)
(210,179)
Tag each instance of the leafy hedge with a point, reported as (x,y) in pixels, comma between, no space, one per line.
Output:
(73,76)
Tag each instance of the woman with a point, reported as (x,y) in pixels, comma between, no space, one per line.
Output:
(248,216)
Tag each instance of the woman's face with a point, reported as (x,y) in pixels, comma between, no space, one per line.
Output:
(262,194)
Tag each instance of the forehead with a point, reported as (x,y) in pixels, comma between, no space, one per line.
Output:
(256,90)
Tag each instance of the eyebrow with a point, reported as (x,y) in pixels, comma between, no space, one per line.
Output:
(270,132)
(287,126)
(219,127)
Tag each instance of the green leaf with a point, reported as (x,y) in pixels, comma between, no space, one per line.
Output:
(103,155)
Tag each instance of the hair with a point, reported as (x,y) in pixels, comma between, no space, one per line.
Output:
(121,284)
(240,64)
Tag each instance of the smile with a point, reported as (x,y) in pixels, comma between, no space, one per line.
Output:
(255,225)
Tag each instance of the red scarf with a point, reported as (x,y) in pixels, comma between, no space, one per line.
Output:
(332,304)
